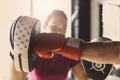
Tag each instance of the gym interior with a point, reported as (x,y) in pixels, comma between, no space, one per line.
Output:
(87,19)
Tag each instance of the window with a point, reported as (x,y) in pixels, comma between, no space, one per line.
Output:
(111,19)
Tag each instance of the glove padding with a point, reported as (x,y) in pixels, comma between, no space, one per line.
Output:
(23,29)
(97,71)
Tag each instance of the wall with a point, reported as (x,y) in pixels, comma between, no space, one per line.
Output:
(9,10)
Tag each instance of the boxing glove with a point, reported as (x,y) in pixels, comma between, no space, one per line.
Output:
(51,42)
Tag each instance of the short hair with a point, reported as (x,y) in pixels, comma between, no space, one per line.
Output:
(55,13)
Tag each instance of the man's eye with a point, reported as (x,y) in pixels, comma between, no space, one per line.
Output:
(54,26)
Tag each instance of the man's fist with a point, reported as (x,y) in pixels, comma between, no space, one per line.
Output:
(57,43)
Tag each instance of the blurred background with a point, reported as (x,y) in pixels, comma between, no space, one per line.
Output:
(87,19)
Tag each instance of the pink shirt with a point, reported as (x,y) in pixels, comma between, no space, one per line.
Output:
(52,69)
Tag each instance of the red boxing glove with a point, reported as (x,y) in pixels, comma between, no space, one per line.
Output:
(44,44)
(52,42)
(72,48)
(48,42)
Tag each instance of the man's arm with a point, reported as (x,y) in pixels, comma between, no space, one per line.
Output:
(99,52)
(102,52)
(16,75)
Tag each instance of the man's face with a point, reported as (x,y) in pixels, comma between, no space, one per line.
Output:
(56,24)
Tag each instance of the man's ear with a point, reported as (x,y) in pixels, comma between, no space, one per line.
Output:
(44,27)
